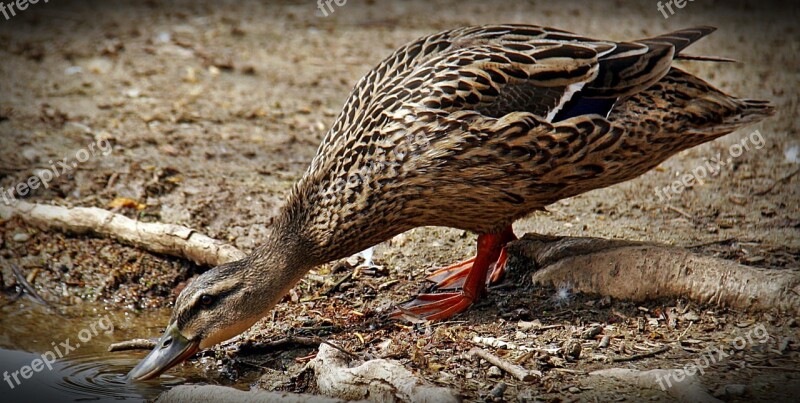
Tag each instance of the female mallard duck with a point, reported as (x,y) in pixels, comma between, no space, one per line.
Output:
(471,128)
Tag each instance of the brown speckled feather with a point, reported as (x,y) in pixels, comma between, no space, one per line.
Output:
(460,129)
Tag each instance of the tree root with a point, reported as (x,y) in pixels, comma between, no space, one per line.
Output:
(639,271)
(376,380)
(168,239)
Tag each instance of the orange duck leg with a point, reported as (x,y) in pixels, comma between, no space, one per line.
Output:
(470,276)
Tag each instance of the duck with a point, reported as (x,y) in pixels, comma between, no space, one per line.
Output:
(472,128)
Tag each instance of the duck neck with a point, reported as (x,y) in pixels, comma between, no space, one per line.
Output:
(286,255)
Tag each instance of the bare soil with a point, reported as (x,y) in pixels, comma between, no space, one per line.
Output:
(214,110)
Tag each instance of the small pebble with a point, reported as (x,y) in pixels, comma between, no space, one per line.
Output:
(72,70)
(21,237)
(589,333)
(691,316)
(605,302)
(572,349)
(605,341)
(574,390)
(494,372)
(498,391)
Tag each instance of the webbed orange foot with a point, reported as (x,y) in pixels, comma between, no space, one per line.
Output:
(470,276)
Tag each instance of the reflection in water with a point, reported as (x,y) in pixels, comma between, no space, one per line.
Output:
(83,378)
(85,373)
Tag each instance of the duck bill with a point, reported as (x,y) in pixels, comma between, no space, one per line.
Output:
(171,350)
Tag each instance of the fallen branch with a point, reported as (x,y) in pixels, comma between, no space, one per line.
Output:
(377,380)
(224,394)
(168,239)
(515,370)
(677,383)
(638,271)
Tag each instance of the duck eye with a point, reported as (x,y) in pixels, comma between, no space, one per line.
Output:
(206,300)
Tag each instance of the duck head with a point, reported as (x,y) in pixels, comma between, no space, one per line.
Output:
(222,303)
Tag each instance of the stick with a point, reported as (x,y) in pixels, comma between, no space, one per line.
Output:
(640,356)
(134,344)
(515,370)
(280,343)
(168,239)
(781,180)
(27,287)
(338,284)
(681,212)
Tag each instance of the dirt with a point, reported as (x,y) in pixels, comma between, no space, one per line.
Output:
(213,111)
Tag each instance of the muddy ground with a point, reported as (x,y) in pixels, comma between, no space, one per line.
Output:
(215,110)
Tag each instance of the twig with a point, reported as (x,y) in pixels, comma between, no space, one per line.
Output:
(134,344)
(280,343)
(515,370)
(569,371)
(338,284)
(342,349)
(312,341)
(640,356)
(681,212)
(697,245)
(148,344)
(781,180)
(685,330)
(27,286)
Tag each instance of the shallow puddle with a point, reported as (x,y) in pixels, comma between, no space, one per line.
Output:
(61,354)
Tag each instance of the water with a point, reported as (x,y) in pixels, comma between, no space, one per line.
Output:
(66,356)
(78,379)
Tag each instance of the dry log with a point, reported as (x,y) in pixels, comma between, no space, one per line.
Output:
(639,271)
(682,386)
(224,394)
(377,380)
(169,239)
